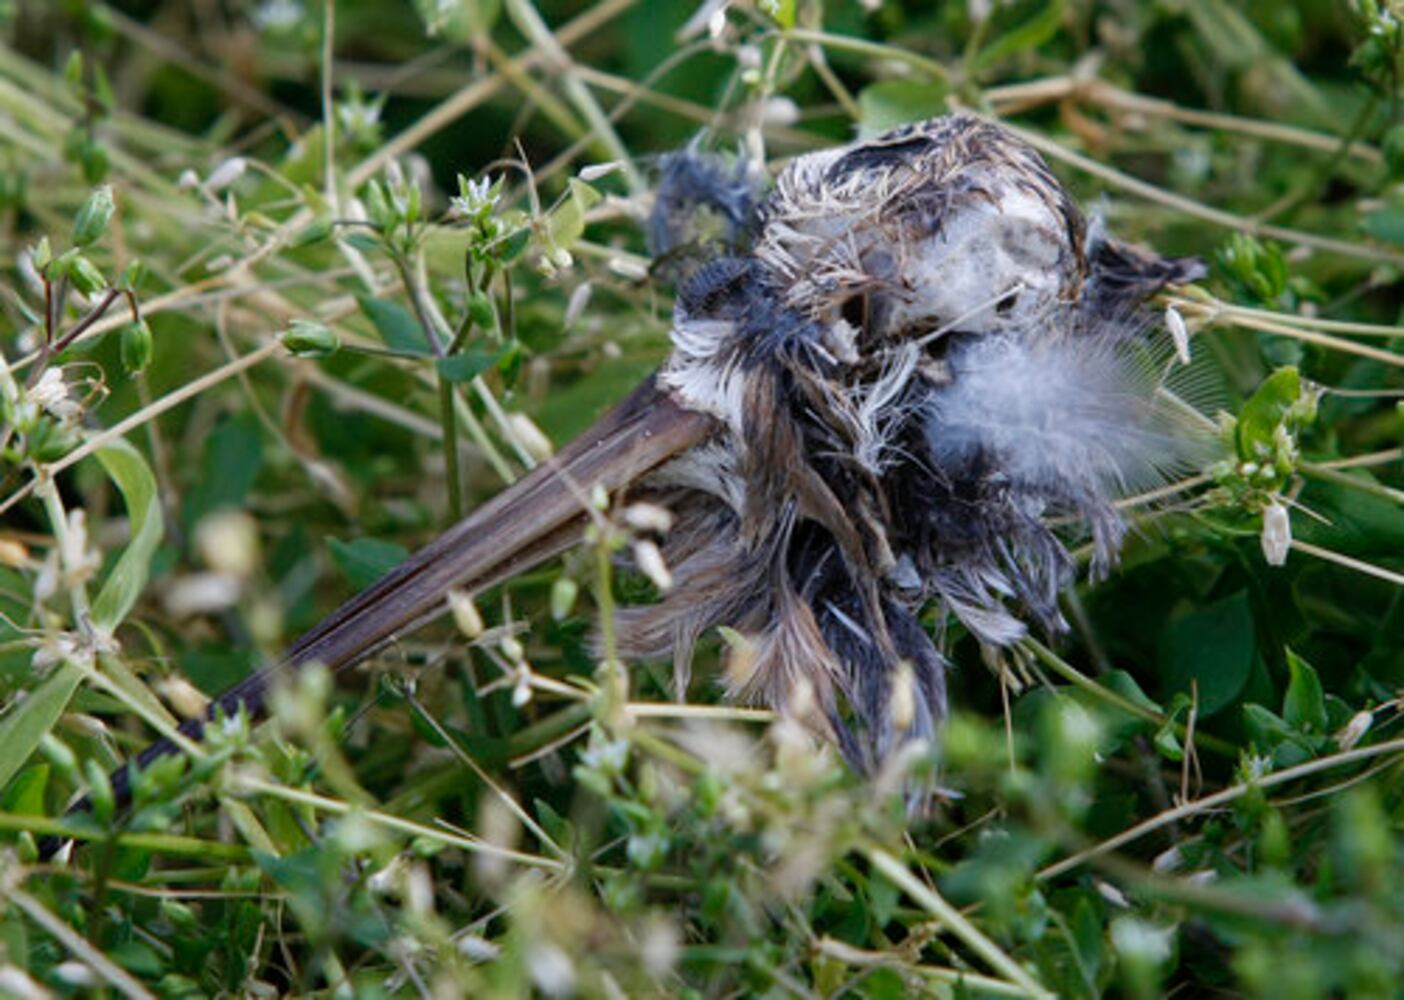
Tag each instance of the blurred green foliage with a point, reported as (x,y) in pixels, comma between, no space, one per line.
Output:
(483,814)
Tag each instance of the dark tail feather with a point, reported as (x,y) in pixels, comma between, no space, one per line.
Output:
(536,518)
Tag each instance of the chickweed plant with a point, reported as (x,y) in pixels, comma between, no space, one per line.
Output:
(289,285)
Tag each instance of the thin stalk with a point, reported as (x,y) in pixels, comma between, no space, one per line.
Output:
(1218,799)
(78,946)
(450,430)
(120,429)
(1077,678)
(529,22)
(160,843)
(877,50)
(1198,210)
(1314,471)
(1359,565)
(250,784)
(935,904)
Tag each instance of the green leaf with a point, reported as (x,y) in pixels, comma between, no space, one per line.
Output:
(468,365)
(1213,648)
(889,103)
(1030,34)
(25,796)
(366,560)
(395,324)
(26,723)
(1387,224)
(229,466)
(1087,938)
(128,469)
(1264,411)
(1304,707)
(566,223)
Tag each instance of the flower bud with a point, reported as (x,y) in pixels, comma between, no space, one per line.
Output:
(465,614)
(481,311)
(1179,333)
(93,218)
(137,346)
(307,339)
(131,277)
(563,594)
(86,277)
(1277,534)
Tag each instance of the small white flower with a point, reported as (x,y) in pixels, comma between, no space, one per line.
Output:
(79,561)
(474,198)
(1179,333)
(521,691)
(14,982)
(228,542)
(189,180)
(1354,730)
(201,593)
(780,111)
(716,24)
(1277,534)
(1138,940)
(478,949)
(633,270)
(226,174)
(551,969)
(32,279)
(50,394)
(579,299)
(902,702)
(1168,860)
(1111,894)
(595,171)
(419,889)
(651,564)
(512,648)
(387,879)
(188,700)
(75,974)
(465,614)
(648,517)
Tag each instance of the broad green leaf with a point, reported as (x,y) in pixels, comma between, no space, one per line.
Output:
(468,365)
(1030,33)
(229,466)
(26,723)
(1213,647)
(1264,411)
(395,324)
(1304,707)
(1269,731)
(366,560)
(566,223)
(889,103)
(25,796)
(128,469)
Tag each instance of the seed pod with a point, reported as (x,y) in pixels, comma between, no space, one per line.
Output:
(137,346)
(93,218)
(85,276)
(307,339)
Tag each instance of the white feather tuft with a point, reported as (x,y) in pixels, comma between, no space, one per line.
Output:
(1077,419)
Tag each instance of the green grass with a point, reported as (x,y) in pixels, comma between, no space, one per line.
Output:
(1198,790)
